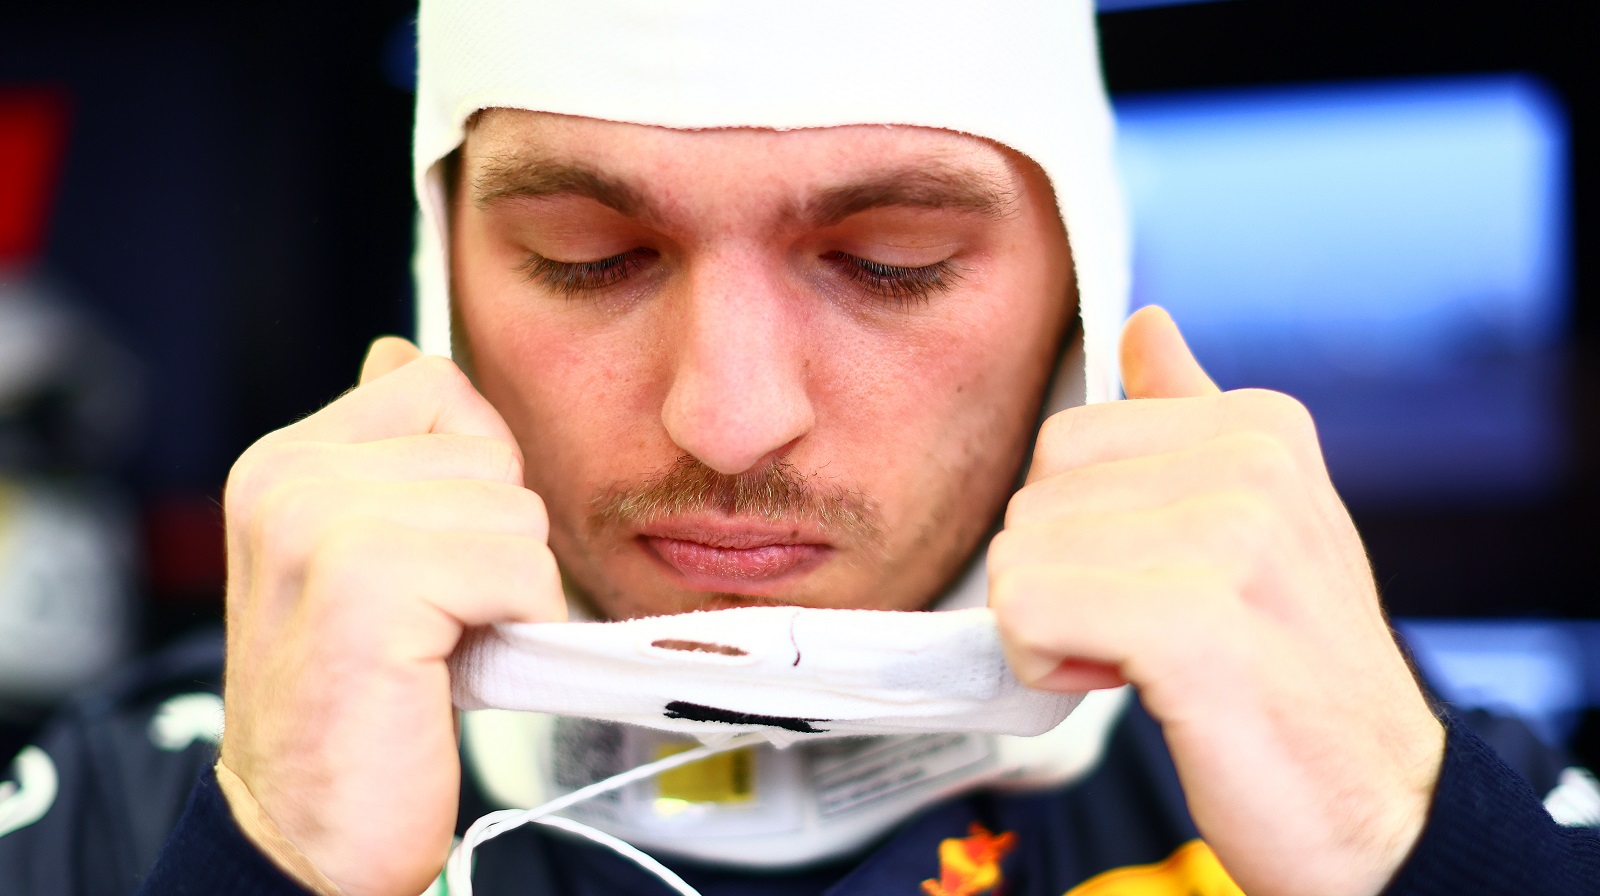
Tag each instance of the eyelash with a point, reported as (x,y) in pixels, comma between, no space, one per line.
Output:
(904,286)
(570,278)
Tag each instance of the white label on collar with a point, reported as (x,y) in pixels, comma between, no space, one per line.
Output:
(852,782)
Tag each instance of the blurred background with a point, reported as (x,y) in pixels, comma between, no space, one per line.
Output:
(1387,209)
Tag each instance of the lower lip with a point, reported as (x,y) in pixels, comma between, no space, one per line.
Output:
(708,568)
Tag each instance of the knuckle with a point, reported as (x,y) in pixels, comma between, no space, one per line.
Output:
(1020,627)
(518,506)
(1258,459)
(343,562)
(1277,412)
(538,594)
(537,562)
(1008,598)
(289,516)
(1209,599)
(257,470)
(442,372)
(1021,506)
(1002,548)
(1242,523)
(1002,595)
(490,459)
(237,490)
(535,512)
(1050,451)
(1056,425)
(506,459)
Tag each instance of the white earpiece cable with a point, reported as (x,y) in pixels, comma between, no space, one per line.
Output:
(458,871)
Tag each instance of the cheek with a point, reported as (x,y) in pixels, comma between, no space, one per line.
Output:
(579,404)
(939,422)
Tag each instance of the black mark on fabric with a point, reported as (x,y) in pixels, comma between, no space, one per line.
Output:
(679,709)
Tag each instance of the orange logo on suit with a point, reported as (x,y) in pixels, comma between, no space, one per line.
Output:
(1191,870)
(970,865)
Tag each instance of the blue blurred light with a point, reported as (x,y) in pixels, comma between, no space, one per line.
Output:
(1393,253)
(1542,671)
(399,61)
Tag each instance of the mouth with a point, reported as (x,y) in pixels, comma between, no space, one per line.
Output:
(734,557)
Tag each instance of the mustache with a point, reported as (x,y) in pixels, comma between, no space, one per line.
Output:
(777,492)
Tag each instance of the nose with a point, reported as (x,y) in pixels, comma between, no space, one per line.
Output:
(739,394)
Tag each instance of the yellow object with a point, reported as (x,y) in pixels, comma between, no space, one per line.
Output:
(1191,870)
(724,778)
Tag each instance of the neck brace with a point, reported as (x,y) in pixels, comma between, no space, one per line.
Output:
(768,808)
(1021,73)
(594,700)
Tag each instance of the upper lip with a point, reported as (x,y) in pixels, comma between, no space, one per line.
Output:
(732,533)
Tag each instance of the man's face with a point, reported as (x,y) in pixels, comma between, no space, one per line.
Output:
(750,366)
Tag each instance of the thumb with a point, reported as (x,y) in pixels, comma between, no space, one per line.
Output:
(1156,362)
(386,355)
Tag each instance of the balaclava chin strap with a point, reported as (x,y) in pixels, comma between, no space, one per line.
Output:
(1022,73)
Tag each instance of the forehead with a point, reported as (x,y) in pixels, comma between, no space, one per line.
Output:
(504,147)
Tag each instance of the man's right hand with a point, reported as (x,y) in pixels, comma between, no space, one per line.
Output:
(362,540)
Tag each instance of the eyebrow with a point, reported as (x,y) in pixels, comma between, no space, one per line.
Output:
(934,186)
(506,178)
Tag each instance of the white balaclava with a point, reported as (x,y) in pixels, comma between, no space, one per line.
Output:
(1022,73)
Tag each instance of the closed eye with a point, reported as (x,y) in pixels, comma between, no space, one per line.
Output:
(573,278)
(900,284)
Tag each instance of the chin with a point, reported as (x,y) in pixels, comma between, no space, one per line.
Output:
(730,602)
(622,604)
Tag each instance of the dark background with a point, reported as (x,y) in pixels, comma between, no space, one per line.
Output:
(235,207)
(1464,558)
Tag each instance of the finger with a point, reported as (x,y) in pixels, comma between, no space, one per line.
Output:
(1242,461)
(1080,675)
(268,466)
(1156,362)
(295,517)
(1119,430)
(1231,537)
(1154,629)
(386,355)
(429,394)
(411,593)
(440,456)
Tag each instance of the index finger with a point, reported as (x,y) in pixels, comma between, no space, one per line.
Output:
(1122,430)
(428,394)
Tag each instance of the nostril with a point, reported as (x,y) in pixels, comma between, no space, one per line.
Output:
(698,647)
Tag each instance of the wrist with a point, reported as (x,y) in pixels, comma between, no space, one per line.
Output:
(260,830)
(1419,782)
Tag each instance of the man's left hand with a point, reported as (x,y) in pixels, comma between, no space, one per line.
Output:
(1190,542)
